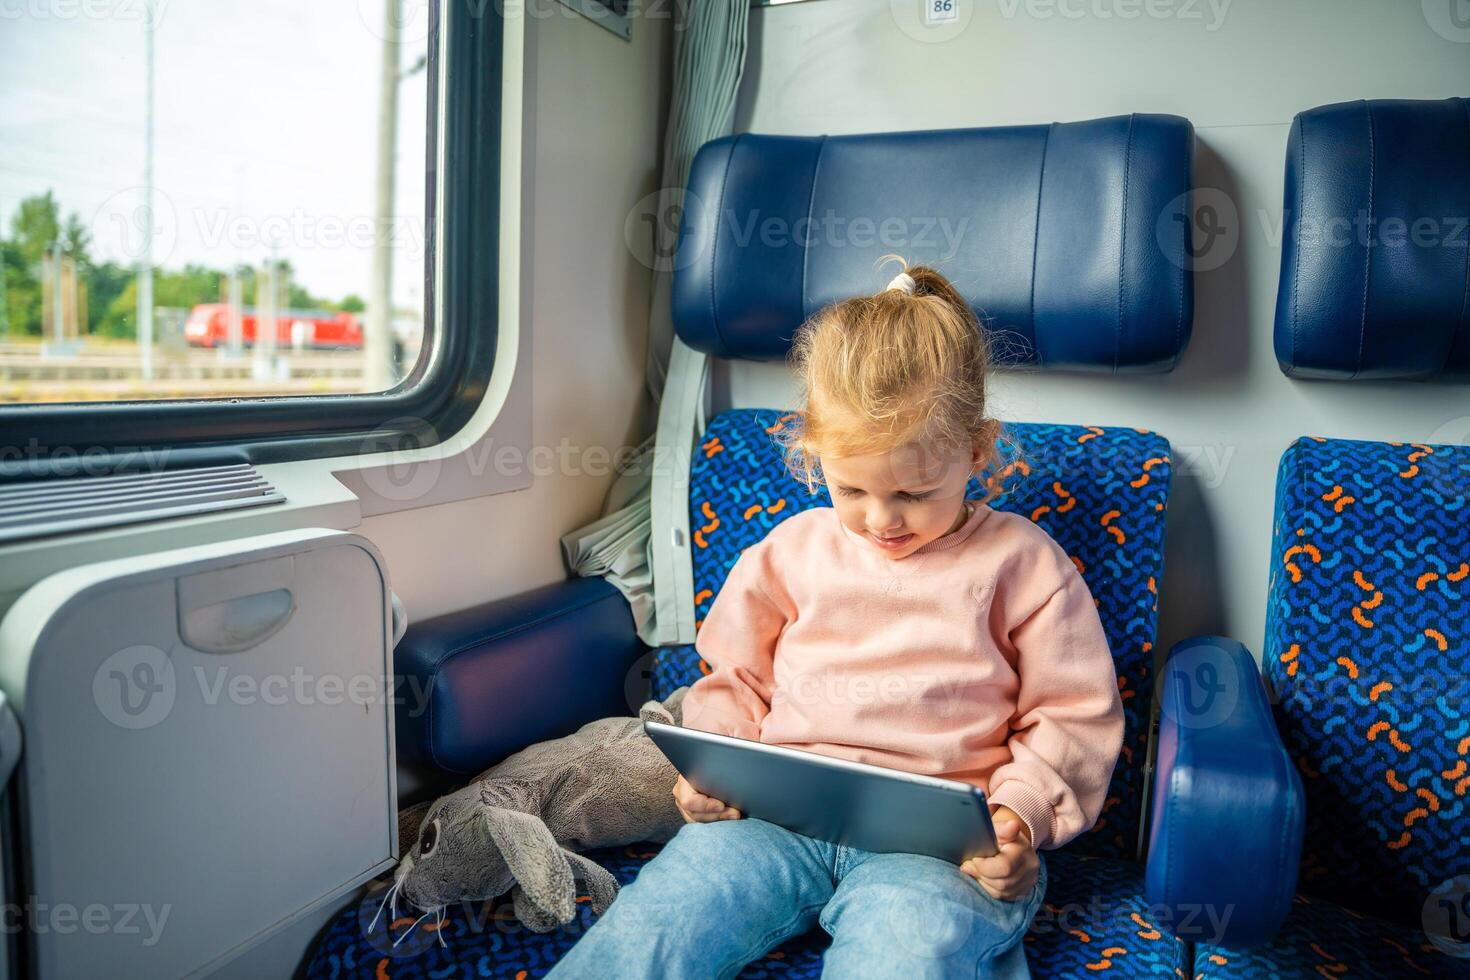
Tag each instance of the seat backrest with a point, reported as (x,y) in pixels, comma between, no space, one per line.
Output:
(1100,493)
(1069,242)
(1373,259)
(1368,653)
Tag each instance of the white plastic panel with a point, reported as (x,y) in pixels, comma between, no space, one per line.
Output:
(208,747)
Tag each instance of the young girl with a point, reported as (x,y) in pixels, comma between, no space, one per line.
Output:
(903,626)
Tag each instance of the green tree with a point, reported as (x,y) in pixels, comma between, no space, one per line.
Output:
(12,275)
(35,227)
(105,283)
(352,303)
(185,289)
(76,239)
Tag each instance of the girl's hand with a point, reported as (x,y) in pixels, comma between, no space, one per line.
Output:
(1010,873)
(698,808)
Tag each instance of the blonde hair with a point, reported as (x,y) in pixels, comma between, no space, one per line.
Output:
(878,372)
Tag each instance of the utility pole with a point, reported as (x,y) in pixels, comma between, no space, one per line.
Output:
(145,268)
(378,338)
(66,282)
(234,327)
(58,303)
(263,365)
(4,301)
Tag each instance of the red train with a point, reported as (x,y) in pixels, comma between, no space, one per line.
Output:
(209,326)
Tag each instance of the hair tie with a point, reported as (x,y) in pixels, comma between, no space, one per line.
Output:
(903,281)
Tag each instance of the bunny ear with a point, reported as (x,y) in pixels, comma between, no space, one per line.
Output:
(653,711)
(601,886)
(533,915)
(545,894)
(670,711)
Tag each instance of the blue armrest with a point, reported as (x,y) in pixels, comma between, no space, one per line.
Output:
(1226,835)
(476,685)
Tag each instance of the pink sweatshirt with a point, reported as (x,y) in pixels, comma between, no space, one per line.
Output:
(979,657)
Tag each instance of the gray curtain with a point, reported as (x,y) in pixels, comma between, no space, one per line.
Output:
(709,58)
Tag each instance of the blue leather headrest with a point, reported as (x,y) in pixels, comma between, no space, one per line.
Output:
(1374,258)
(1069,239)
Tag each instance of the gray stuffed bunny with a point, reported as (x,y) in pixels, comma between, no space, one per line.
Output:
(517,827)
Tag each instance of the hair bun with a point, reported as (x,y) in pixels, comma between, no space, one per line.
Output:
(902,282)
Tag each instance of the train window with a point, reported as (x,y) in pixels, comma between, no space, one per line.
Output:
(195,251)
(180,222)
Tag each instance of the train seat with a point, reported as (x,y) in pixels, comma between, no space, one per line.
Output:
(1365,658)
(1366,640)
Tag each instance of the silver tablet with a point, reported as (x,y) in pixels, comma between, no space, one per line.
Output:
(853,803)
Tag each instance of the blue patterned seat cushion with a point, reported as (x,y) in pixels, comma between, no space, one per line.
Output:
(1094,921)
(1091,920)
(1099,492)
(1368,627)
(1323,939)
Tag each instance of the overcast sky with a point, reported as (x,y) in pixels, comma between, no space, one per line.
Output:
(266,119)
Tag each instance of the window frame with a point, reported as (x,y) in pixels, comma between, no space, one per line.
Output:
(461,317)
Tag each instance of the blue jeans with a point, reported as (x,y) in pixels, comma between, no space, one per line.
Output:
(722,894)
